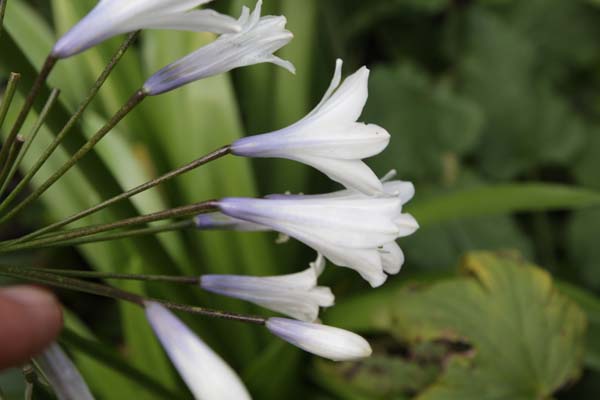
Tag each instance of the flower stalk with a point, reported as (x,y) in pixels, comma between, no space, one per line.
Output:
(221,152)
(70,123)
(184,211)
(133,101)
(11,87)
(29,140)
(33,93)
(65,282)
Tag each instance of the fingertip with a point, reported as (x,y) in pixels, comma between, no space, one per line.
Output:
(31,319)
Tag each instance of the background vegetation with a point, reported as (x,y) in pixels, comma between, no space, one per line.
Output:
(494,110)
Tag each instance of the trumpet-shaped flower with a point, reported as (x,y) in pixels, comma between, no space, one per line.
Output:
(113,17)
(296,295)
(355,232)
(63,376)
(329,138)
(205,373)
(325,341)
(257,40)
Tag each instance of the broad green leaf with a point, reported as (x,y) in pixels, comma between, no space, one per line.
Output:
(377,377)
(509,332)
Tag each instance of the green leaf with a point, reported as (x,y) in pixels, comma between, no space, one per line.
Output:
(501,199)
(582,246)
(428,123)
(528,122)
(506,329)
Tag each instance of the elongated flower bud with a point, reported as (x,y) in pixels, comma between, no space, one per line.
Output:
(63,376)
(113,17)
(351,232)
(296,295)
(204,372)
(255,43)
(325,341)
(329,138)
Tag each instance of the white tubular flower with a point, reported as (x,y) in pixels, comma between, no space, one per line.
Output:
(329,138)
(204,372)
(296,295)
(113,17)
(349,232)
(63,376)
(217,220)
(257,40)
(325,341)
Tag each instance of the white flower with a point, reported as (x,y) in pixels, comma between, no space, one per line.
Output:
(296,295)
(325,341)
(255,43)
(329,138)
(217,220)
(113,17)
(351,232)
(204,372)
(63,376)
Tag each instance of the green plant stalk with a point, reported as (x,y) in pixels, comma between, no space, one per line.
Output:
(133,101)
(101,354)
(13,154)
(118,294)
(188,280)
(178,212)
(130,193)
(9,93)
(176,226)
(2,11)
(72,120)
(35,89)
(36,128)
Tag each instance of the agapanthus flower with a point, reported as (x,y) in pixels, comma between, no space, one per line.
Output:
(329,138)
(355,232)
(204,372)
(296,295)
(325,341)
(257,40)
(63,376)
(113,17)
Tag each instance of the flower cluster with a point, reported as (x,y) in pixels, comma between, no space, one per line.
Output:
(356,227)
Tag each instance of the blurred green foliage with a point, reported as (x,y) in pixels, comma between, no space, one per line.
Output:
(494,110)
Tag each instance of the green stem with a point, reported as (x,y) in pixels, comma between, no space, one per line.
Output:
(183,211)
(72,120)
(11,87)
(13,154)
(114,293)
(189,280)
(35,89)
(121,235)
(28,141)
(2,11)
(133,101)
(101,353)
(130,193)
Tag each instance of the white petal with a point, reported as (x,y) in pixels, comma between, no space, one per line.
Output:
(63,376)
(335,82)
(353,174)
(195,21)
(204,372)
(219,220)
(325,341)
(407,224)
(392,258)
(255,43)
(404,190)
